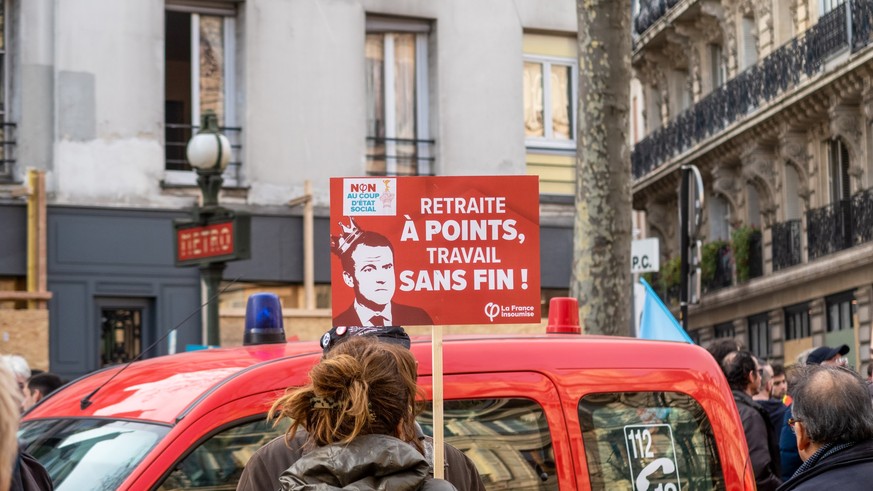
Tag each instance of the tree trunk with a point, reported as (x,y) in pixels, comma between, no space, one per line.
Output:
(601,278)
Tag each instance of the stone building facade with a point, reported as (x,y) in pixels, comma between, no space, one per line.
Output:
(772,101)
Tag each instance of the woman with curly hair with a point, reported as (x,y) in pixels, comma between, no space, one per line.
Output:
(358,412)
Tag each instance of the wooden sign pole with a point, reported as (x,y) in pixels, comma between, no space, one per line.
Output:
(439,454)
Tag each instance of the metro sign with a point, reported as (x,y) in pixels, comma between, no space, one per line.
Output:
(198,244)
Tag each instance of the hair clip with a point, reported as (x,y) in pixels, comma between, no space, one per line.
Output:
(318,402)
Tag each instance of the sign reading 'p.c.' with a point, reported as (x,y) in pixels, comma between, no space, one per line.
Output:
(645,256)
(435,250)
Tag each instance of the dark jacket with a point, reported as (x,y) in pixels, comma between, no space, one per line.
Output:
(776,410)
(789,459)
(369,462)
(263,469)
(401,315)
(849,469)
(763,447)
(29,475)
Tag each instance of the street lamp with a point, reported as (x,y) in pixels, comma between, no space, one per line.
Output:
(208,153)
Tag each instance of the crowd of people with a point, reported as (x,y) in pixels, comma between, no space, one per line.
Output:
(810,427)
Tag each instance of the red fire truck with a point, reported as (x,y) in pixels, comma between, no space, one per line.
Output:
(544,412)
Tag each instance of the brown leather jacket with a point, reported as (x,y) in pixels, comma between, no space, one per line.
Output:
(369,462)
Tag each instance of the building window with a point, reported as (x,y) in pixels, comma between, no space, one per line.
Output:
(750,43)
(838,166)
(120,335)
(759,336)
(549,101)
(654,99)
(398,130)
(840,308)
(719,218)
(828,5)
(7,137)
(797,322)
(753,206)
(783,28)
(681,93)
(792,193)
(717,68)
(724,330)
(199,77)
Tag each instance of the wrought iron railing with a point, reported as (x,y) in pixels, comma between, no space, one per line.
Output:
(176,141)
(649,13)
(399,157)
(786,244)
(782,70)
(862,23)
(7,151)
(830,229)
(862,217)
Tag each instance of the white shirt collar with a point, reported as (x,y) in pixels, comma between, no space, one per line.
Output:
(365,314)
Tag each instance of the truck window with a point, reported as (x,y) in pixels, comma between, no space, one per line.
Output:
(217,463)
(649,441)
(84,454)
(507,439)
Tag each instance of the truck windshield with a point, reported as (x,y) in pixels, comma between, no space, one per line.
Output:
(85,454)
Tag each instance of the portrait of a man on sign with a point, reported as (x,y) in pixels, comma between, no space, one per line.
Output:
(368,268)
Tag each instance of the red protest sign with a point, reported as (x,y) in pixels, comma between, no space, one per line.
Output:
(435,250)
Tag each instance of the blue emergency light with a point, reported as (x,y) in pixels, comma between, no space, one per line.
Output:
(264,323)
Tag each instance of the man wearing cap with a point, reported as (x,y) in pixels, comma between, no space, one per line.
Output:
(262,471)
(789,456)
(827,356)
(833,429)
(367,260)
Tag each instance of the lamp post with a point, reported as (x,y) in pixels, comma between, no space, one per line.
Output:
(208,153)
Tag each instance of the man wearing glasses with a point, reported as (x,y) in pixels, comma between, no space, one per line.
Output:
(790,459)
(833,428)
(744,377)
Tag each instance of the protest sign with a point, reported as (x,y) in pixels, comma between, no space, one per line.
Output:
(438,250)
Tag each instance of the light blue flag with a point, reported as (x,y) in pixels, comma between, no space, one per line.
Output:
(657,322)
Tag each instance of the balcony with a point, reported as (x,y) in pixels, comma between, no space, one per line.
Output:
(716,267)
(840,225)
(650,12)
(723,265)
(7,152)
(783,70)
(399,157)
(786,244)
(176,141)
